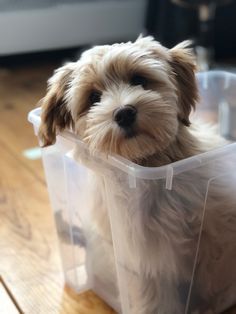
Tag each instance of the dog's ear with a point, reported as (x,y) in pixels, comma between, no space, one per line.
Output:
(183,65)
(55,115)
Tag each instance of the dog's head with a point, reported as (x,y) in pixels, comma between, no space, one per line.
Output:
(129,98)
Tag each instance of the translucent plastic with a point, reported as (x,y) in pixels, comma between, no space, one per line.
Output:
(110,256)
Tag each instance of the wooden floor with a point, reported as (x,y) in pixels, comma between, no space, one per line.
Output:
(31,279)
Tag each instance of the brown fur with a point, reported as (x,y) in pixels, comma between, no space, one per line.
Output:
(184,68)
(55,115)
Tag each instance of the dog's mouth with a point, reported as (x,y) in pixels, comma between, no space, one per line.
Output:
(129,133)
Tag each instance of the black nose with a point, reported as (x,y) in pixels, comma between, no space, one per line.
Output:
(125,116)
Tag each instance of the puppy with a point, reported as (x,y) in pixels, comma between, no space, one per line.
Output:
(134,100)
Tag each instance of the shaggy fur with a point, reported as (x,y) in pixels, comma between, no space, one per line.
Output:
(158,239)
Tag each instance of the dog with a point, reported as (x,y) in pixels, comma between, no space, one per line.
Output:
(134,100)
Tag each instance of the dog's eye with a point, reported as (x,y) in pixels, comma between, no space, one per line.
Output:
(95,96)
(138,80)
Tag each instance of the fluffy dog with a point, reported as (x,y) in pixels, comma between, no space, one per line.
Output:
(134,100)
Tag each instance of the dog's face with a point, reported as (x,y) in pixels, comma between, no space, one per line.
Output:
(129,98)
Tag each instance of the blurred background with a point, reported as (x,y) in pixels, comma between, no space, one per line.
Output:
(28,27)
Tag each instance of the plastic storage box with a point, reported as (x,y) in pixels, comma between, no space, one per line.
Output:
(108,265)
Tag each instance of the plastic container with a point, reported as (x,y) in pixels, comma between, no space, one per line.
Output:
(84,188)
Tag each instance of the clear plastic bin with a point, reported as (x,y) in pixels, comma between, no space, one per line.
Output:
(187,195)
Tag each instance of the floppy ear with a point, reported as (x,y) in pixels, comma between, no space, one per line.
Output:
(55,114)
(183,65)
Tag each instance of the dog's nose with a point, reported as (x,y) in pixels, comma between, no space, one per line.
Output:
(125,116)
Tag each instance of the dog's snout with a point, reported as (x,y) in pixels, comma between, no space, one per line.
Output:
(125,116)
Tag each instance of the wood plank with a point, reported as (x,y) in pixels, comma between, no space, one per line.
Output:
(20,91)
(29,256)
(8,304)
(50,296)
(30,262)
